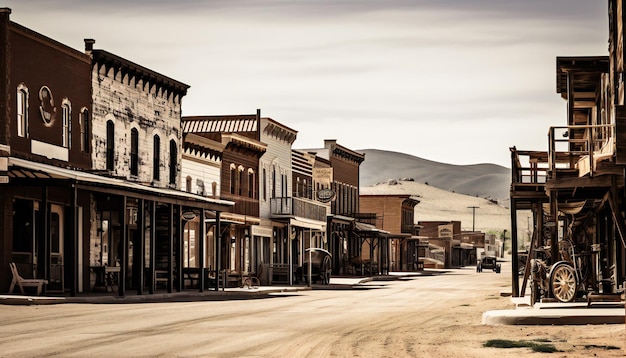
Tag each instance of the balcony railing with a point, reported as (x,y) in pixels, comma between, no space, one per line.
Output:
(243,205)
(528,167)
(301,207)
(578,147)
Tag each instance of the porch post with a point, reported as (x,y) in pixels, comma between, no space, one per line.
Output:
(43,256)
(514,263)
(74,234)
(124,242)
(179,248)
(141,245)
(170,251)
(151,271)
(217,238)
(202,237)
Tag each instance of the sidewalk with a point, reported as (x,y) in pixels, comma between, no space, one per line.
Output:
(577,313)
(237,293)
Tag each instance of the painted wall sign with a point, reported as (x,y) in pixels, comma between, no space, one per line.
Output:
(46,108)
(325,195)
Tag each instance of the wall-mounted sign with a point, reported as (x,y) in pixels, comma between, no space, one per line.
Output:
(188,215)
(46,108)
(325,195)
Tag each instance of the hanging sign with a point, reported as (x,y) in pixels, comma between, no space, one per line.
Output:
(325,195)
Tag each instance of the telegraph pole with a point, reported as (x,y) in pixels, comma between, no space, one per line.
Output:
(473,216)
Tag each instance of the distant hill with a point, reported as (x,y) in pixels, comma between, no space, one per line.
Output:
(480,180)
(441,205)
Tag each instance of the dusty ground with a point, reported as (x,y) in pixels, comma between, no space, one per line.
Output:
(438,316)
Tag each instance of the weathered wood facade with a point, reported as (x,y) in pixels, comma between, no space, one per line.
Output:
(575,190)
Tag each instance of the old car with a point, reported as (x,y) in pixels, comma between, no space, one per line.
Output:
(488,262)
(321,265)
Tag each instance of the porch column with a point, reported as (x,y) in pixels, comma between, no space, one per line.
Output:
(170,251)
(179,249)
(141,245)
(74,235)
(514,263)
(43,256)
(217,242)
(124,252)
(202,237)
(151,271)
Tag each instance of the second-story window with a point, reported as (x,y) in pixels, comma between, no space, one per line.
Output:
(273,181)
(173,161)
(134,151)
(251,182)
(240,181)
(67,124)
(233,178)
(22,111)
(283,183)
(156,158)
(84,130)
(110,145)
(264,182)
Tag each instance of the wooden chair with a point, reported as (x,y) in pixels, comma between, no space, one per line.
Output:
(25,282)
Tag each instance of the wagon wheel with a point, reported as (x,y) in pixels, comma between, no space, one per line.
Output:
(563,283)
(325,271)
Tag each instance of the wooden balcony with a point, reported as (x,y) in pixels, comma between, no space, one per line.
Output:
(301,207)
(243,205)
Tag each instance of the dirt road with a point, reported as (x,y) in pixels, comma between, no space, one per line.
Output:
(436,316)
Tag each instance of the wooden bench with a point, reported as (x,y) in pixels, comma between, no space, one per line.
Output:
(25,282)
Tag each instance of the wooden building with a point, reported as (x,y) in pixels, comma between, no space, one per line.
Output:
(238,135)
(356,244)
(395,214)
(74,210)
(575,189)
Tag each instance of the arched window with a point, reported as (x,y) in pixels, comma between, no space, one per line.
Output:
(84,130)
(240,181)
(134,151)
(251,184)
(156,158)
(273,181)
(233,178)
(110,144)
(66,108)
(22,111)
(173,161)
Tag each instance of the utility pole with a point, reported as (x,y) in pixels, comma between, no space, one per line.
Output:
(473,216)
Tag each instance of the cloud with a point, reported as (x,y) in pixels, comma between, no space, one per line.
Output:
(386,74)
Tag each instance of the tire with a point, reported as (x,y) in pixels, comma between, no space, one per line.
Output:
(563,283)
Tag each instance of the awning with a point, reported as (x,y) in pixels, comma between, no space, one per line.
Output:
(96,182)
(308,223)
(363,227)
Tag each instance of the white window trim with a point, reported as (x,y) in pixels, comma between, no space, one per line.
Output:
(22,121)
(67,123)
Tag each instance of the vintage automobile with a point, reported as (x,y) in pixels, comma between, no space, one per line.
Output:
(321,265)
(488,262)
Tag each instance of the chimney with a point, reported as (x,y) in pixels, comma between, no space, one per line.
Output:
(89,45)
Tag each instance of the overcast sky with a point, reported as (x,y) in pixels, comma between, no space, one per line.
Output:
(453,81)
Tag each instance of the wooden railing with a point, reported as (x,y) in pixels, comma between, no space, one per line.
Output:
(298,207)
(579,141)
